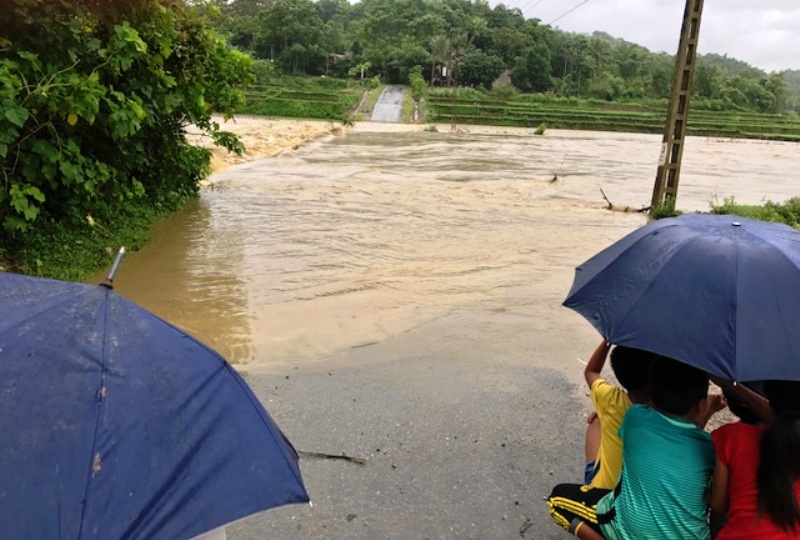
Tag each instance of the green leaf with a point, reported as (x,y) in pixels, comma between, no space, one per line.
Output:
(13,223)
(30,57)
(69,171)
(35,192)
(3,150)
(46,149)
(16,115)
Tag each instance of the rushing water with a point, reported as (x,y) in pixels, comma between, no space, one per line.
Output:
(349,240)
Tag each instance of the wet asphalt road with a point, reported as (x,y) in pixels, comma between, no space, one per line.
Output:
(457,444)
(389,106)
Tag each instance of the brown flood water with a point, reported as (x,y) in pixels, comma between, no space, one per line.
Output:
(347,241)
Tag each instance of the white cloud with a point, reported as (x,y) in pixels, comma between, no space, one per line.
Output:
(762,33)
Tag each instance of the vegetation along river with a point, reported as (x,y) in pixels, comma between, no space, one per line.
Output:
(351,239)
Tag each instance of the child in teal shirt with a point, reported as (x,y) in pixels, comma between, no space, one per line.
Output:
(667,462)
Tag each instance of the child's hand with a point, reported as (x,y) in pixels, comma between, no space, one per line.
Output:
(716,402)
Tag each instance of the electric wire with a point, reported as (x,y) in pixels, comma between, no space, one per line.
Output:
(567,12)
(527,5)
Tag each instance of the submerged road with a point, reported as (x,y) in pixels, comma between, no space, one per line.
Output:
(389,107)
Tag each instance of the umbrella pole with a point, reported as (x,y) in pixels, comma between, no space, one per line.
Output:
(115,267)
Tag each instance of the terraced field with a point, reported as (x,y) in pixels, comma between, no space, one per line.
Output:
(325,99)
(616,117)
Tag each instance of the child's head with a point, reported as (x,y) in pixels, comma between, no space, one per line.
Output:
(631,367)
(677,388)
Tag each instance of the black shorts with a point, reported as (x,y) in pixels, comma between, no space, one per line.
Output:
(573,504)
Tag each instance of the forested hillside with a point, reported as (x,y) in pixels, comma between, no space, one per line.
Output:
(469,43)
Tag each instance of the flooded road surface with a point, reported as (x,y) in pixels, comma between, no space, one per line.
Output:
(389,107)
(345,242)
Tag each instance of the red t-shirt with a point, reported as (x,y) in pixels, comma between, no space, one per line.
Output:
(738,448)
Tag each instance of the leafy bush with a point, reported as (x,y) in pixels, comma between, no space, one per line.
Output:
(263,71)
(504,92)
(417,82)
(94,99)
(664,210)
(787,212)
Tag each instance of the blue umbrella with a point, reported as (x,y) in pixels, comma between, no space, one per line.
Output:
(721,293)
(115,424)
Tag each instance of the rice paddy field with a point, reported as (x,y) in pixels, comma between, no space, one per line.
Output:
(559,113)
(318,98)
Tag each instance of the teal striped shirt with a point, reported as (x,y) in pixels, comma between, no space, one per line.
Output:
(667,463)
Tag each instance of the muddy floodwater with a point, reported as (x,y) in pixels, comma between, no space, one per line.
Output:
(350,240)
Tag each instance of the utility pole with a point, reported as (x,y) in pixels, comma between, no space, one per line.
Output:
(669,164)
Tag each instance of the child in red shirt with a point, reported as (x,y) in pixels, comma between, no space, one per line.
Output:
(757,474)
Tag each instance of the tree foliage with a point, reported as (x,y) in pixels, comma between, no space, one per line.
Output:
(94,99)
(481,69)
(452,39)
(531,72)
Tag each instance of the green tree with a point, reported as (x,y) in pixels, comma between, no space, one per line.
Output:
(708,81)
(439,47)
(458,47)
(660,71)
(572,61)
(290,34)
(481,69)
(531,71)
(417,82)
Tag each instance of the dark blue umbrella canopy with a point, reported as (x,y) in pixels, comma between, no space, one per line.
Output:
(115,424)
(721,293)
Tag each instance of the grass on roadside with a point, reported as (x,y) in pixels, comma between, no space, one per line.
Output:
(75,249)
(787,212)
(372,99)
(407,112)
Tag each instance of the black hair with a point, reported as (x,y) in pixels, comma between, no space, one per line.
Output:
(779,464)
(631,367)
(676,387)
(738,408)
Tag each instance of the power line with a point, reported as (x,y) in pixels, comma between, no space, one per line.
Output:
(536,4)
(525,6)
(568,12)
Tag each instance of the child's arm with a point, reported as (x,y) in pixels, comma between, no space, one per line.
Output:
(719,489)
(596,363)
(755,402)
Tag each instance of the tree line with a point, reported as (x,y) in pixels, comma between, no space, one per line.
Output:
(470,43)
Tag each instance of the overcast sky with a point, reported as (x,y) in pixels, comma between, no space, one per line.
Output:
(763,33)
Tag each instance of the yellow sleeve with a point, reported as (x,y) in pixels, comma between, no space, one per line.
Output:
(604,395)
